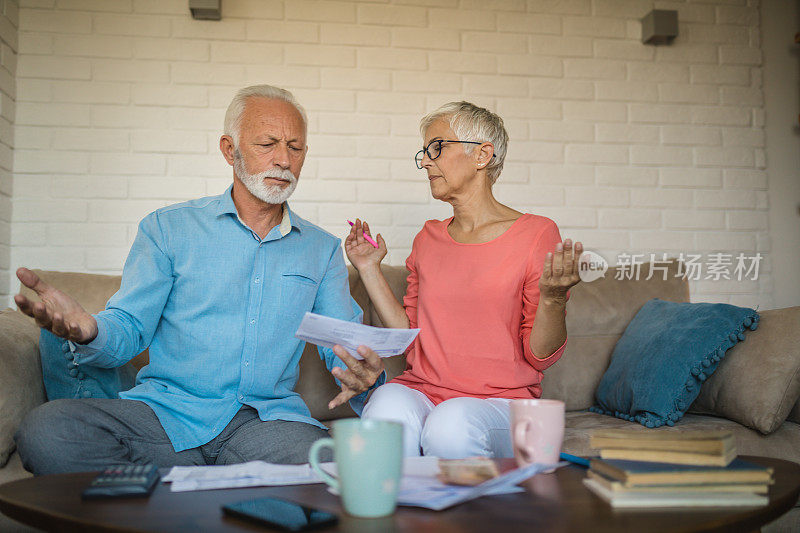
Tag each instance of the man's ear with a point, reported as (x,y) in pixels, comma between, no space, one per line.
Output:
(226,147)
(485,153)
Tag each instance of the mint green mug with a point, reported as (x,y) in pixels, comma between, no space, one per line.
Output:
(369,460)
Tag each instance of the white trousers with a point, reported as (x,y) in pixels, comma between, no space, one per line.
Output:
(454,429)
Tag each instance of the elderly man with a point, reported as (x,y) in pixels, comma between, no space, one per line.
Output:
(215,287)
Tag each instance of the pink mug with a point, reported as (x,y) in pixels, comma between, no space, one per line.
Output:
(537,430)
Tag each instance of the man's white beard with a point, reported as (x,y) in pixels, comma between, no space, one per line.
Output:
(271,194)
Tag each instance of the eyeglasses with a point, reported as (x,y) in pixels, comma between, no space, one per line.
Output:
(434,150)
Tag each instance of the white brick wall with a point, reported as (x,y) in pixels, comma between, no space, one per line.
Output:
(9,24)
(630,148)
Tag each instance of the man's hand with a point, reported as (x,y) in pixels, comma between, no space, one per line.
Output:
(359,376)
(560,272)
(58,312)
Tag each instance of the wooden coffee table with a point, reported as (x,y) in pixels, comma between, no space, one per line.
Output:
(552,502)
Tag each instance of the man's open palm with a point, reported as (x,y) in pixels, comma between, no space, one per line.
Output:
(58,312)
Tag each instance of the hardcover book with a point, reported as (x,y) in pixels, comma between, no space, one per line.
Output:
(687,498)
(650,473)
(662,456)
(711,442)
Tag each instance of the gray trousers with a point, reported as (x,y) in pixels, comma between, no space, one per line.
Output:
(89,434)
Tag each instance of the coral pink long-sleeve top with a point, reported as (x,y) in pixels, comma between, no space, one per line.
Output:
(475,305)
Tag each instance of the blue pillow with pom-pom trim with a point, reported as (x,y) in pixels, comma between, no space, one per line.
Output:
(65,379)
(666,353)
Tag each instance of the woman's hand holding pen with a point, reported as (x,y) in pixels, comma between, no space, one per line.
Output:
(359,251)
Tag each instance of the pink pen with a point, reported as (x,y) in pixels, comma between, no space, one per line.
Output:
(367,237)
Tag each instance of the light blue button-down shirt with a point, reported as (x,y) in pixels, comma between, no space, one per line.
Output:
(218,307)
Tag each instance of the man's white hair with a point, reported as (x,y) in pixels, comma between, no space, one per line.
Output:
(472,123)
(233,117)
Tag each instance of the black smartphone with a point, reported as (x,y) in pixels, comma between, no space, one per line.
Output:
(280,513)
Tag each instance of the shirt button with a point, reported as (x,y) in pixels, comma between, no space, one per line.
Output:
(246,363)
(241,398)
(258,280)
(252,320)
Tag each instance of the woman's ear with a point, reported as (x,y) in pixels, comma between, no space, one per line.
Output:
(485,153)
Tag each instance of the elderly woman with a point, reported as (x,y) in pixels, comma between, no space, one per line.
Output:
(487,287)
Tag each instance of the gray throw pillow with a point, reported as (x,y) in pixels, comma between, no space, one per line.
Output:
(758,383)
(65,379)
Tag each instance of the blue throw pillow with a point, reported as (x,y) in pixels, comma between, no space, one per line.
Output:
(666,353)
(64,379)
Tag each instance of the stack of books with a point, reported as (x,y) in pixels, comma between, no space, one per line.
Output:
(692,469)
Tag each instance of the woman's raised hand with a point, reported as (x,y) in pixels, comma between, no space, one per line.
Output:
(359,251)
(560,271)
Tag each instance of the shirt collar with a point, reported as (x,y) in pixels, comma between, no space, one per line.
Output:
(288,221)
(226,205)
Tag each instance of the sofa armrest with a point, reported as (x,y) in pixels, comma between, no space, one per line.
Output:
(21,386)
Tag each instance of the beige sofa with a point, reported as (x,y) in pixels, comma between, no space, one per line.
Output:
(597,315)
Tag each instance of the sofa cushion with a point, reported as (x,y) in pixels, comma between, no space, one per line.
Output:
(758,383)
(13,471)
(794,414)
(64,379)
(597,314)
(666,353)
(20,378)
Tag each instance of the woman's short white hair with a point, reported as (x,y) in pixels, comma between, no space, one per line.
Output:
(472,123)
(233,117)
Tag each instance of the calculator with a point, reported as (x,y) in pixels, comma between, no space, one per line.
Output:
(122,481)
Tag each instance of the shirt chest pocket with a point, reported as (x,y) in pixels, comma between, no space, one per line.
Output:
(298,292)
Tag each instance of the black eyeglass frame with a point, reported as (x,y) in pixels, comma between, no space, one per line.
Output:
(419,157)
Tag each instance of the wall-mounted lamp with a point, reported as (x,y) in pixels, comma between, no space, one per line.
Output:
(660,26)
(205,9)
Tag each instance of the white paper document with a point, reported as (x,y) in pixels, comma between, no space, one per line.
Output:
(425,466)
(252,474)
(420,487)
(433,494)
(326,331)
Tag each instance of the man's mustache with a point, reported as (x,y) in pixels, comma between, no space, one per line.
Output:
(275,173)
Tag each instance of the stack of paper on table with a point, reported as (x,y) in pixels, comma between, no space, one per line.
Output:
(419,486)
(715,448)
(648,484)
(252,474)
